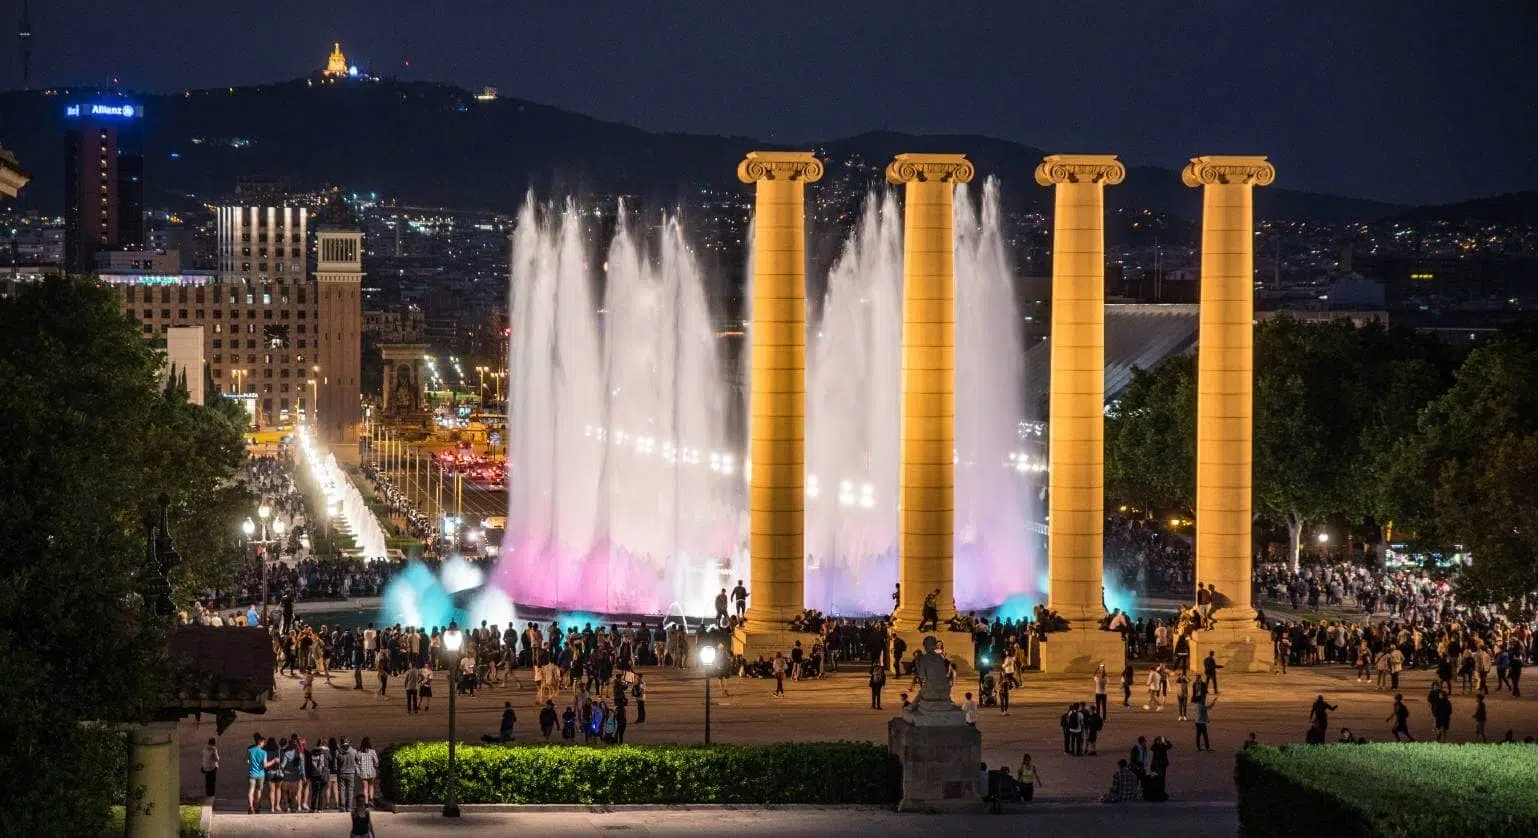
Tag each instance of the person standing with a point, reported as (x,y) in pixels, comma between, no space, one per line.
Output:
(721,608)
(346,771)
(413,685)
(318,770)
(425,686)
(1210,667)
(308,681)
(368,770)
(1028,778)
(969,711)
(257,760)
(1158,770)
(1202,740)
(1400,716)
(1481,715)
(382,671)
(1182,696)
(210,767)
(1126,686)
(779,674)
(638,690)
(877,682)
(740,598)
(1102,682)
(547,719)
(1005,684)
(1514,672)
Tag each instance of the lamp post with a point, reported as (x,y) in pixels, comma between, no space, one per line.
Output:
(248,528)
(707,660)
(453,639)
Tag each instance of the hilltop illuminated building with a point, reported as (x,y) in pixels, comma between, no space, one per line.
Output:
(336,64)
(103,181)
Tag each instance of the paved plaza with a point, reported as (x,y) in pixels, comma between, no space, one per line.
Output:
(1275,707)
(1145,820)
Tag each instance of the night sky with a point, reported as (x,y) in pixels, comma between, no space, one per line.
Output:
(1399,100)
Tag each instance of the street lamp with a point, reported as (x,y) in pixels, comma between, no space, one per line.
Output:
(264,512)
(453,639)
(1324,538)
(707,660)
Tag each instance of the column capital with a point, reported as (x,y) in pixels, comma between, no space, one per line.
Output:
(1239,170)
(1080,168)
(943,168)
(779,165)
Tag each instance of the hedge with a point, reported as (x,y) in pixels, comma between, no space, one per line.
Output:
(812,772)
(1388,790)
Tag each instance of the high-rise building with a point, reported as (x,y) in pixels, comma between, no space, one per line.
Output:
(103,181)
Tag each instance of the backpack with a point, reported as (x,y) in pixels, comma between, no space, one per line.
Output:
(635,690)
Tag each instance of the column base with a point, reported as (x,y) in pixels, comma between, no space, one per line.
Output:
(1082,649)
(1239,646)
(750,642)
(154,781)
(958,646)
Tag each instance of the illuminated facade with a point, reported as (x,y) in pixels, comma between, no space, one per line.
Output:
(1076,446)
(336,63)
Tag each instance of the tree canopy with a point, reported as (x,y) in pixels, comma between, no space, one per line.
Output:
(1329,398)
(92,438)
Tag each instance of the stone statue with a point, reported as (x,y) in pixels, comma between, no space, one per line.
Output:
(933,674)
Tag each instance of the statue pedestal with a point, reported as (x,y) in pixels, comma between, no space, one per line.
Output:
(1239,644)
(751,642)
(940,756)
(1080,650)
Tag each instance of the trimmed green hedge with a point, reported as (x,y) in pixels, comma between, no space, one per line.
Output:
(1388,790)
(813,772)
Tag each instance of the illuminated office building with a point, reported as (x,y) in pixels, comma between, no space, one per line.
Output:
(103,181)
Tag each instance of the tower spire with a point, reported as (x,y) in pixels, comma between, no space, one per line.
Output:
(24,37)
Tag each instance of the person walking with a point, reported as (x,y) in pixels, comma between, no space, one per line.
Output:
(1005,684)
(382,671)
(1400,716)
(547,719)
(258,762)
(779,664)
(1210,667)
(1126,686)
(1319,716)
(877,683)
(740,598)
(210,767)
(1481,715)
(1155,687)
(308,682)
(1102,681)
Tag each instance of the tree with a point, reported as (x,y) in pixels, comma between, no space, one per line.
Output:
(91,438)
(1150,434)
(1466,475)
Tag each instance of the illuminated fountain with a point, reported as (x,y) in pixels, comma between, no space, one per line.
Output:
(625,487)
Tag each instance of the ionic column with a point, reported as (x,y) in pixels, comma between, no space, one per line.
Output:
(1224,394)
(777,395)
(1076,429)
(927,470)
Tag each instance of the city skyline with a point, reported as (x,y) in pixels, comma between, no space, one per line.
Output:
(1355,101)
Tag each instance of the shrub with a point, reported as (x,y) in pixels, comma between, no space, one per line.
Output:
(1388,790)
(812,772)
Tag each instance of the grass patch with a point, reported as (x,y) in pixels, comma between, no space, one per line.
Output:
(795,772)
(1388,790)
(191,823)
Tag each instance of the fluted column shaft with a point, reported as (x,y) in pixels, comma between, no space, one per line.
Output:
(1225,377)
(927,465)
(1076,428)
(777,395)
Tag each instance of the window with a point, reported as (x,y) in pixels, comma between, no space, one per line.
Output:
(165,295)
(267,314)
(284,402)
(181,314)
(218,358)
(283,388)
(218,373)
(283,315)
(251,299)
(251,327)
(301,346)
(285,374)
(218,329)
(128,294)
(218,343)
(148,329)
(148,313)
(295,251)
(301,301)
(181,291)
(301,325)
(166,313)
(218,314)
(251,359)
(235,314)
(301,313)
(200,314)
(197,295)
(250,312)
(267,359)
(266,298)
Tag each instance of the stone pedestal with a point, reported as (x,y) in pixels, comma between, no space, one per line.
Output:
(1239,646)
(751,641)
(940,756)
(154,781)
(1082,649)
